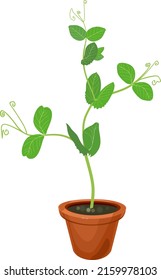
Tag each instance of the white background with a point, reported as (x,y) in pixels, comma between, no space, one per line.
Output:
(40,65)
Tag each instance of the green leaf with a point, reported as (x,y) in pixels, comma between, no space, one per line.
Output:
(95,33)
(77,32)
(143,91)
(42,119)
(76,141)
(91,138)
(90,54)
(93,87)
(103,96)
(32,145)
(126,72)
(99,55)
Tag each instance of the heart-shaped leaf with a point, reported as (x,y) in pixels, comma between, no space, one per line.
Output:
(126,72)
(95,33)
(42,119)
(91,138)
(90,54)
(32,145)
(93,87)
(143,91)
(74,137)
(104,96)
(77,32)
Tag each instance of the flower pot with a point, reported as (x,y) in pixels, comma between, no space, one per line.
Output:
(92,236)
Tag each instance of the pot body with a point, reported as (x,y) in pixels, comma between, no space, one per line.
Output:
(92,236)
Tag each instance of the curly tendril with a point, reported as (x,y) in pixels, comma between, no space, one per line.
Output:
(156,63)
(5,132)
(149,67)
(154,82)
(2,113)
(15,125)
(12,104)
(72,15)
(78,15)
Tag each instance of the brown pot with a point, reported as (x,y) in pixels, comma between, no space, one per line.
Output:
(92,236)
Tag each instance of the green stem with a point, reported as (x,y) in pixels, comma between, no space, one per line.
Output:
(84,68)
(88,163)
(85,73)
(59,135)
(88,110)
(85,117)
(84,122)
(122,89)
(92,182)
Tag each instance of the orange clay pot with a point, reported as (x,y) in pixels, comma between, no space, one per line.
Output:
(92,236)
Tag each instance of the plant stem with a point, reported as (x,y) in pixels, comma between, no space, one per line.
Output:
(88,163)
(122,89)
(84,68)
(84,122)
(92,182)
(59,135)
(85,117)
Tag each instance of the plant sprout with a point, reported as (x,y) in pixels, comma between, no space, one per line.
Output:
(96,97)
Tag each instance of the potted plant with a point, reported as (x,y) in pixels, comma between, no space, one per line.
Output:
(91,223)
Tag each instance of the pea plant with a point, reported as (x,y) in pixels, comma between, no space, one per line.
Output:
(96,95)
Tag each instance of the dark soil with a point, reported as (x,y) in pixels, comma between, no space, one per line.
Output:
(99,209)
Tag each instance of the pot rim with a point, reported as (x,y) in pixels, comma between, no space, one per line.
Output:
(88,219)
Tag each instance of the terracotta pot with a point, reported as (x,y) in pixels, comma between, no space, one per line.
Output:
(92,236)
